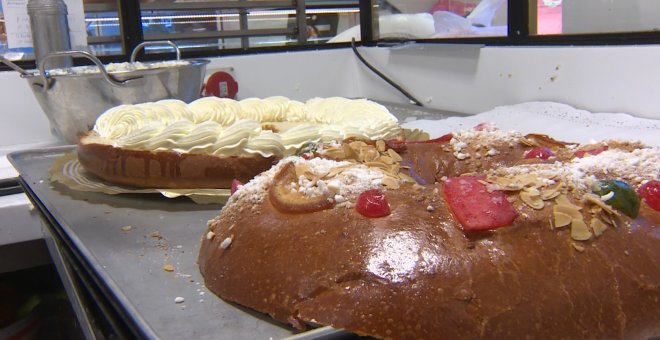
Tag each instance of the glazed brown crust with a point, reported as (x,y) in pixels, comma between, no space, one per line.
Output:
(167,169)
(415,275)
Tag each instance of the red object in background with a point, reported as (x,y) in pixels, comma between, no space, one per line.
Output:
(220,84)
(455,6)
(549,17)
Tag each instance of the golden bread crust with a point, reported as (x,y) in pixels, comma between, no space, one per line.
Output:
(168,169)
(416,274)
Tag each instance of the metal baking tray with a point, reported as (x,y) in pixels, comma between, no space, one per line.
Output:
(111,251)
(121,243)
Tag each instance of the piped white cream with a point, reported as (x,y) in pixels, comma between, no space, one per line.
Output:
(224,126)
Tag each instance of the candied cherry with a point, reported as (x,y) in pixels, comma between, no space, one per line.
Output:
(621,196)
(590,151)
(235,185)
(475,207)
(650,193)
(372,203)
(540,152)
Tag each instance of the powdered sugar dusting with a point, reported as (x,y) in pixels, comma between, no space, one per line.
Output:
(636,168)
(466,142)
(345,185)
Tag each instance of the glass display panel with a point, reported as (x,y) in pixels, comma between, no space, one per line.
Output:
(95,23)
(554,17)
(103,27)
(249,24)
(438,19)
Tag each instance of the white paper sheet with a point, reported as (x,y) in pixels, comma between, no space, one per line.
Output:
(557,120)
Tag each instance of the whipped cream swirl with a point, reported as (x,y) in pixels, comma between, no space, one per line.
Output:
(223,126)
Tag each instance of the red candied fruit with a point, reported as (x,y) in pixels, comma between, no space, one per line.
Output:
(650,193)
(540,152)
(235,185)
(372,203)
(592,150)
(475,207)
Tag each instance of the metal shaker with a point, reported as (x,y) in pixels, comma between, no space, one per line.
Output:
(50,31)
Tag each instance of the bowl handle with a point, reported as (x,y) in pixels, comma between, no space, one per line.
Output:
(160,42)
(46,77)
(14,66)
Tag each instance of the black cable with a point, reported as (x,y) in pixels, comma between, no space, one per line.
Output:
(384,77)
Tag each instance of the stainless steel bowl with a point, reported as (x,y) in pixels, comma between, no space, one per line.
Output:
(72,100)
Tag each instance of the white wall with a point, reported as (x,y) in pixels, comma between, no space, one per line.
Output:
(297,75)
(23,121)
(469,79)
(455,78)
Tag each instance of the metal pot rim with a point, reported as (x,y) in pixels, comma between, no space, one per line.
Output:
(120,73)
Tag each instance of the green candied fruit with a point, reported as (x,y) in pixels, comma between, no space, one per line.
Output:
(307,149)
(623,197)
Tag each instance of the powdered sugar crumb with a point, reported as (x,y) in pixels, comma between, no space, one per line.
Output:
(466,141)
(634,167)
(345,185)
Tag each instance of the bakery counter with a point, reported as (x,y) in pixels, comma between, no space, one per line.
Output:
(128,262)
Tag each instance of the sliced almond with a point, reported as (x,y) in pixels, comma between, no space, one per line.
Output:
(579,230)
(377,165)
(561,219)
(394,155)
(380,145)
(406,178)
(578,247)
(595,199)
(552,192)
(570,211)
(335,153)
(532,199)
(611,220)
(336,170)
(370,154)
(505,183)
(391,182)
(386,159)
(357,144)
(349,153)
(598,226)
(544,140)
(528,142)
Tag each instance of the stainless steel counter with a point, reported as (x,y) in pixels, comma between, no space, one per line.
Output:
(116,247)
(112,253)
